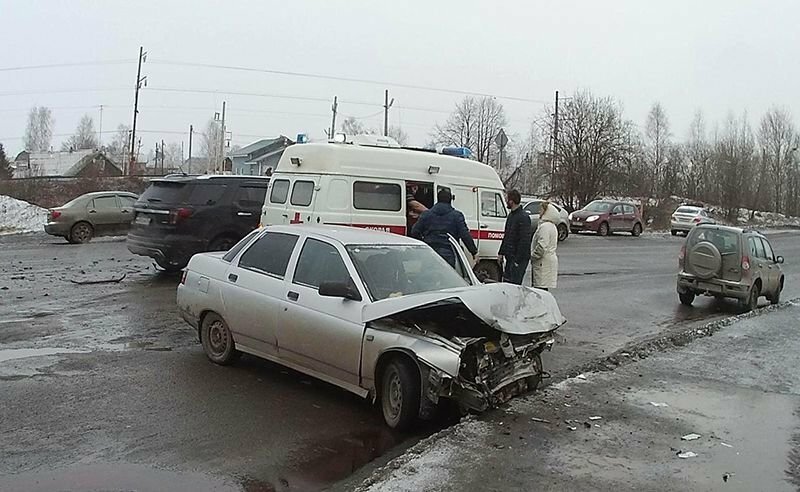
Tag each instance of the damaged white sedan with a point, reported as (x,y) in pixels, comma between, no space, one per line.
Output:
(378,314)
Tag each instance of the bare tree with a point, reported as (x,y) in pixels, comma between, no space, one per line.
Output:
(173,157)
(734,155)
(39,131)
(593,142)
(777,138)
(399,135)
(210,144)
(6,172)
(658,136)
(119,146)
(474,123)
(698,154)
(84,137)
(351,126)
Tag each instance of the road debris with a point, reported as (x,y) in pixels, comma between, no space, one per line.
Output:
(543,421)
(572,428)
(596,417)
(100,281)
(726,476)
(726,445)
(658,404)
(691,437)
(687,454)
(581,376)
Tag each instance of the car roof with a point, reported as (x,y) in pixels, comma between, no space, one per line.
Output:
(737,230)
(347,235)
(185,178)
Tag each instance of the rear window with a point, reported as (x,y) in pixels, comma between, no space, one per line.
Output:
(377,196)
(206,194)
(302,193)
(687,210)
(280,191)
(727,242)
(164,192)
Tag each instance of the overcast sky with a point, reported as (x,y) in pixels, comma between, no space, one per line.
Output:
(714,55)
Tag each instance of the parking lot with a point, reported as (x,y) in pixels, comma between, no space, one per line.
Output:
(102,380)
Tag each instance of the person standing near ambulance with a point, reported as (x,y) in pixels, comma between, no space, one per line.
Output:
(515,249)
(441,220)
(543,249)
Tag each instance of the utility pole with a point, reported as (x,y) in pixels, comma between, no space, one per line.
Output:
(386,105)
(100,138)
(334,108)
(191,132)
(555,146)
(155,161)
(162,157)
(139,80)
(222,141)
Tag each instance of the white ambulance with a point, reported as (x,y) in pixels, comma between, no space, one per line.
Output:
(368,181)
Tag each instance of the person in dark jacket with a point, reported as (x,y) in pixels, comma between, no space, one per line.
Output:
(440,220)
(515,250)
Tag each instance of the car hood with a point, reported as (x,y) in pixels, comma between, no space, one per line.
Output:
(508,308)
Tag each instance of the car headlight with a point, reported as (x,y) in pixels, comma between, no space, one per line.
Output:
(570,216)
(592,218)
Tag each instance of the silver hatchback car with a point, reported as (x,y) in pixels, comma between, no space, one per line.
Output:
(686,217)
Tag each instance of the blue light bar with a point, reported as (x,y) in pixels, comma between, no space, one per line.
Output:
(302,138)
(464,152)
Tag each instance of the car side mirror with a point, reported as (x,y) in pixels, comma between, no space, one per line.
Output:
(779,259)
(345,290)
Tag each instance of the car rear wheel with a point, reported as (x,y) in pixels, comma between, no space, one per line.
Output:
(603,229)
(751,302)
(674,232)
(400,387)
(222,244)
(563,232)
(81,233)
(637,230)
(170,265)
(217,340)
(687,298)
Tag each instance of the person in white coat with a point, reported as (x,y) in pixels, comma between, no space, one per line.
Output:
(543,249)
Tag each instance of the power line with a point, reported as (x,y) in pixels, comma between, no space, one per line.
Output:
(63,65)
(344,79)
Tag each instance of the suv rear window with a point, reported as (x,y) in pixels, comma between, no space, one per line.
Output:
(164,192)
(727,242)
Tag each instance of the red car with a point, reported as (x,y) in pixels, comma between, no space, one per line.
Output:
(605,217)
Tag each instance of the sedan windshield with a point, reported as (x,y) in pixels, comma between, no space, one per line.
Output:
(598,206)
(394,271)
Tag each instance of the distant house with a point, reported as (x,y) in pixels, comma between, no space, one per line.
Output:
(79,163)
(261,157)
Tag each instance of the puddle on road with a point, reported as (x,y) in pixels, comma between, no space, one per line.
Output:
(23,353)
(120,476)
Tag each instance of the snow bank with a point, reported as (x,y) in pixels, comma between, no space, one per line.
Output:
(17,216)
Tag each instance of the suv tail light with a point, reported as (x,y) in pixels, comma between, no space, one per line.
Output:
(682,256)
(54,214)
(745,264)
(180,214)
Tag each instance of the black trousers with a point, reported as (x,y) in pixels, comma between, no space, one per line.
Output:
(514,271)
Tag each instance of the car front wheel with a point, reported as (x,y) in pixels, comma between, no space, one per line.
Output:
(217,340)
(400,387)
(603,229)
(563,232)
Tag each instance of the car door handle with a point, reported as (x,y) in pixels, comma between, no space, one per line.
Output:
(484,226)
(244,214)
(126,211)
(233,277)
(293,296)
(92,211)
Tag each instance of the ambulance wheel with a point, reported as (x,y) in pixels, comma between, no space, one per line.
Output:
(488,269)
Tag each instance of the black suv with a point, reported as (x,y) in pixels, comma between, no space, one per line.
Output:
(178,216)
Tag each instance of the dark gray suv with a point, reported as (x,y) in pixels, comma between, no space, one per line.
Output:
(729,262)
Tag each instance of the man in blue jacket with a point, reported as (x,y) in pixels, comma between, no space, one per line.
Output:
(442,219)
(515,249)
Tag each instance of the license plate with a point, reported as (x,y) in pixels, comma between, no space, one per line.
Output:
(142,220)
(705,286)
(577,222)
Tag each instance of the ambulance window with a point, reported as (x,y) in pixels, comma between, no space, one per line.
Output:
(280,190)
(302,193)
(492,204)
(377,196)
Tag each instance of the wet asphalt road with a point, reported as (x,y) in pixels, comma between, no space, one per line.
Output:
(131,394)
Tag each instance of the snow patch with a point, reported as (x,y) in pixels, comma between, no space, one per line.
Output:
(18,216)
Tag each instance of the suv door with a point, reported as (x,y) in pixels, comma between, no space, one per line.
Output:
(254,290)
(758,264)
(105,214)
(322,333)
